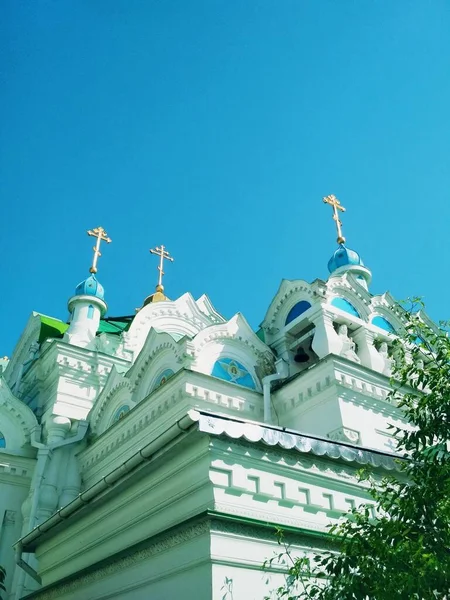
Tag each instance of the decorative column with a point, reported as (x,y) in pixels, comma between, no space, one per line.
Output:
(367,352)
(326,340)
(72,484)
(57,429)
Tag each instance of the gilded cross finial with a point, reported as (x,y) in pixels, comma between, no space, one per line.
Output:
(163,254)
(334,202)
(101,235)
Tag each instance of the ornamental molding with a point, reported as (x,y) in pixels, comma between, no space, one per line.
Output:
(260,532)
(390,311)
(184,386)
(183,313)
(344,376)
(158,544)
(19,412)
(114,384)
(206,306)
(349,280)
(129,427)
(343,289)
(285,292)
(268,516)
(14,468)
(248,488)
(22,349)
(155,344)
(236,330)
(284,461)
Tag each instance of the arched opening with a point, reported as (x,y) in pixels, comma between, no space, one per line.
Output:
(383,323)
(297,310)
(346,306)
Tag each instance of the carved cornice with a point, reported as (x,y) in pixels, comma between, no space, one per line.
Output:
(15,468)
(346,376)
(186,386)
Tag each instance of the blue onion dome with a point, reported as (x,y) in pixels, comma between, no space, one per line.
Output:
(342,257)
(90,287)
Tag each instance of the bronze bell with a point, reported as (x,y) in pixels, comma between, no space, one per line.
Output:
(301,356)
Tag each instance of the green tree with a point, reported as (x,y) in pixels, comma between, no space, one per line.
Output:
(403,550)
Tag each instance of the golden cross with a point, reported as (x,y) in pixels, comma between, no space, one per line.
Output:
(101,235)
(334,202)
(162,253)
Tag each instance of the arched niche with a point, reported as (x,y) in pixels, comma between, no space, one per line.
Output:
(161,378)
(120,413)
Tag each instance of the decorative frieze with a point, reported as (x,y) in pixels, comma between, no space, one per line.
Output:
(157,545)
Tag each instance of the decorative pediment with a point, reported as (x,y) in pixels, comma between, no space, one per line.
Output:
(160,352)
(346,287)
(116,384)
(232,347)
(179,318)
(386,307)
(205,305)
(17,421)
(289,293)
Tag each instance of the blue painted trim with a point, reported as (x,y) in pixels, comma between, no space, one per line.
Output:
(346,306)
(383,323)
(162,378)
(120,413)
(297,310)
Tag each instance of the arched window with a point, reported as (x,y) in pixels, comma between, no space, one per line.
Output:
(233,371)
(345,305)
(297,310)
(90,312)
(120,413)
(2,440)
(383,323)
(162,378)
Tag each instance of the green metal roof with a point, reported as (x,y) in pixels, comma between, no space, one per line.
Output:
(115,324)
(55,329)
(261,335)
(51,328)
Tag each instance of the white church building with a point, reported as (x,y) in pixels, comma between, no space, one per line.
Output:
(152,456)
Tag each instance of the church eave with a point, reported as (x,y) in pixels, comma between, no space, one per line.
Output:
(217,425)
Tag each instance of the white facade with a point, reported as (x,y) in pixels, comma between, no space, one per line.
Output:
(160,454)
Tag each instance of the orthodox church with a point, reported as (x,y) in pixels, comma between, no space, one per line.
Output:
(153,455)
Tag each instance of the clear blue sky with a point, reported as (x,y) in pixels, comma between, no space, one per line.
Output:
(215,127)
